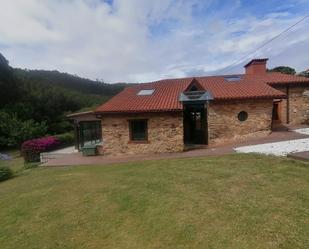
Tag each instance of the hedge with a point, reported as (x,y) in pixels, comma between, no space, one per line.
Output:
(65,138)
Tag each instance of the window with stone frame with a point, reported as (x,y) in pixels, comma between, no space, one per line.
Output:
(138,130)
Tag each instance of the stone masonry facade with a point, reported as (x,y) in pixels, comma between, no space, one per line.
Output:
(223,123)
(165,130)
(298,105)
(165,134)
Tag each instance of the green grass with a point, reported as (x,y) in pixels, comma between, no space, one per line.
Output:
(16,164)
(236,201)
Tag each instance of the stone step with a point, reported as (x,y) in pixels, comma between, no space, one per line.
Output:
(46,156)
(195,147)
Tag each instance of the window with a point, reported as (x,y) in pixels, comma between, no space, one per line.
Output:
(90,132)
(145,92)
(196,118)
(138,130)
(242,116)
(193,88)
(232,78)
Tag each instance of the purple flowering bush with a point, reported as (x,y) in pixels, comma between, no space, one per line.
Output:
(31,149)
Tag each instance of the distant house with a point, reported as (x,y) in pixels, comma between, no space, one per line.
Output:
(172,114)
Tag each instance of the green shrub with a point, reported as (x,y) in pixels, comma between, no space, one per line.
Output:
(13,131)
(66,138)
(5,173)
(31,149)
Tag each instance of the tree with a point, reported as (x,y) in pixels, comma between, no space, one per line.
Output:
(14,131)
(8,86)
(35,102)
(304,73)
(283,69)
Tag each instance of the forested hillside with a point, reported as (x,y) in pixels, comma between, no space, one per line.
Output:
(34,102)
(68,81)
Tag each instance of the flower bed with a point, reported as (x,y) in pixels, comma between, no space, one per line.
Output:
(31,149)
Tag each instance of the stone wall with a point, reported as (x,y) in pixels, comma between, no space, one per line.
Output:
(165,130)
(223,123)
(298,105)
(165,134)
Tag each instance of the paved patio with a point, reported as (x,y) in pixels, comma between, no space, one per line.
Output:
(228,148)
(281,148)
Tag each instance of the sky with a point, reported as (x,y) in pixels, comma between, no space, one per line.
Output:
(146,40)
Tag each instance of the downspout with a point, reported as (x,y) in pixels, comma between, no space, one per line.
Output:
(206,121)
(76,135)
(288,104)
(272,118)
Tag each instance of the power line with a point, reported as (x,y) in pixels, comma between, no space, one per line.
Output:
(263,45)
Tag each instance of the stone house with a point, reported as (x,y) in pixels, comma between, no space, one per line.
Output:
(173,114)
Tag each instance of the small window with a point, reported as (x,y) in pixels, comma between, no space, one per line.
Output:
(232,78)
(138,130)
(145,92)
(242,116)
(193,88)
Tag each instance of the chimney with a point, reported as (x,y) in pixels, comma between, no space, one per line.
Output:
(256,66)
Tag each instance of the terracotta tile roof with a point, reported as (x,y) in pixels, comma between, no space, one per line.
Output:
(276,78)
(164,98)
(166,92)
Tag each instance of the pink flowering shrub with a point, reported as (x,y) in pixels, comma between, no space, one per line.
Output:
(31,149)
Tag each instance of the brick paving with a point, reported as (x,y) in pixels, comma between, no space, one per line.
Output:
(78,159)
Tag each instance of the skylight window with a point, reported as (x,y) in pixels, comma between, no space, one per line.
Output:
(145,92)
(232,78)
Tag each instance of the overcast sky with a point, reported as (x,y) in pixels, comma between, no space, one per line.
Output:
(144,40)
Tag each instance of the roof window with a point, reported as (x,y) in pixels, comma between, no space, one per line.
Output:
(145,92)
(195,96)
(232,78)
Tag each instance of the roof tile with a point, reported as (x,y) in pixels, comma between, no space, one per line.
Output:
(166,94)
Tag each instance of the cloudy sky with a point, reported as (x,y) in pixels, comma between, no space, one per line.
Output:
(144,40)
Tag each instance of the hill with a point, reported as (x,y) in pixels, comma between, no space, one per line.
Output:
(68,81)
(39,100)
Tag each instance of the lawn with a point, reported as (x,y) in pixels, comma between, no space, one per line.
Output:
(17,164)
(237,201)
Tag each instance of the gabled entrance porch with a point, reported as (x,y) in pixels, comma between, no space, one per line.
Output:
(195,101)
(195,124)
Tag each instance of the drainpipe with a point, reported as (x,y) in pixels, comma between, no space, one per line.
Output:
(76,138)
(206,106)
(288,104)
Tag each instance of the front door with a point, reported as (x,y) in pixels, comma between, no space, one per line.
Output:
(276,111)
(195,124)
(276,123)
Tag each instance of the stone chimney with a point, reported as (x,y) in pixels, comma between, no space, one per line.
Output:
(256,66)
